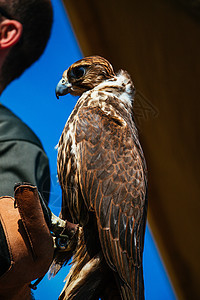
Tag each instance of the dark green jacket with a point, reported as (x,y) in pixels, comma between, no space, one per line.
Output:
(22,157)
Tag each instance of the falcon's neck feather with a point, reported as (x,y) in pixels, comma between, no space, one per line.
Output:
(121,86)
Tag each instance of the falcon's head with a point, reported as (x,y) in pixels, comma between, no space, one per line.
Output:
(84,75)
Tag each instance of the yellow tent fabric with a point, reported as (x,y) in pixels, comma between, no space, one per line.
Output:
(158,43)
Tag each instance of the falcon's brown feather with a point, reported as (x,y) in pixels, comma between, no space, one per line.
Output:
(102,172)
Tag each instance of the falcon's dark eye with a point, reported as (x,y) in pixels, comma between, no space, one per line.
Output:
(78,72)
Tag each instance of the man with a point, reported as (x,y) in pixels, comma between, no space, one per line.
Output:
(25,28)
(24,31)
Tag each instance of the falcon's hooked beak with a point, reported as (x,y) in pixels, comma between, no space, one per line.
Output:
(63,87)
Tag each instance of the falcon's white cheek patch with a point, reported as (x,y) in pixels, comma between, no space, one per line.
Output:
(126,98)
(129,88)
(121,87)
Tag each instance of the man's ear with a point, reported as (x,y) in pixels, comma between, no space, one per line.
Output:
(10,33)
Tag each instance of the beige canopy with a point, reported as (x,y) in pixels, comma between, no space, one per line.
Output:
(158,43)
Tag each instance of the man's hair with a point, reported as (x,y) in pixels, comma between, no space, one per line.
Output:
(36,18)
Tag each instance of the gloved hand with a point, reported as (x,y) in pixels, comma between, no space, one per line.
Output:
(26,245)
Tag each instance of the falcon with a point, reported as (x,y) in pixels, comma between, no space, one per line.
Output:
(103,176)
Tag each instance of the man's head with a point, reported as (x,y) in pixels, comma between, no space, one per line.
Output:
(25,27)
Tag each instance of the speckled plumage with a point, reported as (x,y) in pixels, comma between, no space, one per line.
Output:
(102,172)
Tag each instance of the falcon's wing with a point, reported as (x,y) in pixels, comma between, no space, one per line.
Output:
(113,184)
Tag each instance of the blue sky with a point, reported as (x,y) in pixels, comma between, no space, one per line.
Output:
(32,98)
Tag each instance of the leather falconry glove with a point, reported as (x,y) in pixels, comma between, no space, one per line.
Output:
(26,244)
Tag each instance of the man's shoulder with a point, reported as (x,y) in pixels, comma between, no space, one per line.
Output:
(13,128)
